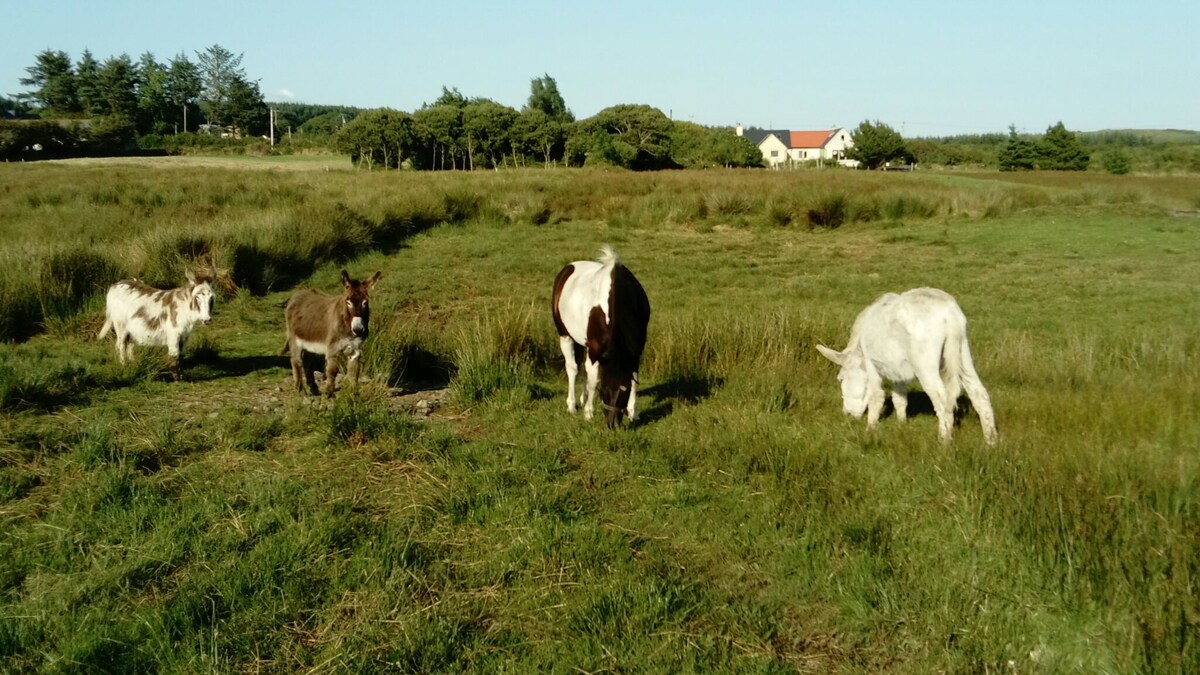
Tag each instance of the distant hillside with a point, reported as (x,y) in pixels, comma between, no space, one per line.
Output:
(1126,137)
(1136,137)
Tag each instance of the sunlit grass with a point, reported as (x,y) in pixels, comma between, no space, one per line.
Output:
(226,523)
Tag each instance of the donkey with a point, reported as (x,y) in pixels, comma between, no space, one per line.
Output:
(601,311)
(151,316)
(329,325)
(919,335)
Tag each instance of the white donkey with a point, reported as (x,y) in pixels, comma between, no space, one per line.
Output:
(151,316)
(919,335)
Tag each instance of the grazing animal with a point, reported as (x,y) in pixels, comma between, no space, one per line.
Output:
(919,335)
(151,316)
(601,312)
(328,325)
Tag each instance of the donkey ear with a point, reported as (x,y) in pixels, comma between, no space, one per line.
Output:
(190,276)
(835,356)
(371,282)
(345,278)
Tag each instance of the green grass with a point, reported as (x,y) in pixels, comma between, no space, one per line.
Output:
(226,524)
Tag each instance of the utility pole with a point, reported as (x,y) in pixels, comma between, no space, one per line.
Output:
(272,124)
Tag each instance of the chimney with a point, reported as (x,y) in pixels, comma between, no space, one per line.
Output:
(738,129)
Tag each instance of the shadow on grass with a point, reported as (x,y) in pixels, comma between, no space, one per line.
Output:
(919,405)
(685,389)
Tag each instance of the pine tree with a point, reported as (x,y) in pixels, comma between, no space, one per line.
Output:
(1018,154)
(1060,150)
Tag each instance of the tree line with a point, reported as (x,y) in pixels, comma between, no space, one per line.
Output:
(90,106)
(457,132)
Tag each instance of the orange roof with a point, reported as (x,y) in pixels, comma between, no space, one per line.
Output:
(809,139)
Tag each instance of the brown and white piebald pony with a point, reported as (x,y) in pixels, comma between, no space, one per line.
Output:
(155,317)
(601,312)
(329,325)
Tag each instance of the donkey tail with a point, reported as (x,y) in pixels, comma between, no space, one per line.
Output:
(952,363)
(105,329)
(287,348)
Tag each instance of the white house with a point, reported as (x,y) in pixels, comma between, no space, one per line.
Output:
(781,148)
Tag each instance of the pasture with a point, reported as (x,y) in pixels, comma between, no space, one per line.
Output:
(449,515)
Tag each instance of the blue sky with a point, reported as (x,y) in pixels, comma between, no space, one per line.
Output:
(925,67)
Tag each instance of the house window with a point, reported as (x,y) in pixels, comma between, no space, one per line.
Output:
(774,153)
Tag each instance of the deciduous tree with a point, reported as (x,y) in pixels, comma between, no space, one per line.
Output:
(544,96)
(876,144)
(487,130)
(634,136)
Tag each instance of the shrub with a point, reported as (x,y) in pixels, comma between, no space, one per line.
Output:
(1117,162)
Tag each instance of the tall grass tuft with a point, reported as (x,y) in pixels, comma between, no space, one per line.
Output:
(70,276)
(360,418)
(496,355)
(829,211)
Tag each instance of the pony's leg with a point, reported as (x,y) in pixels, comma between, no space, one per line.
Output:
(593,383)
(979,397)
(900,400)
(568,351)
(631,408)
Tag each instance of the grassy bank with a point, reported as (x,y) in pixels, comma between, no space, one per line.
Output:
(452,516)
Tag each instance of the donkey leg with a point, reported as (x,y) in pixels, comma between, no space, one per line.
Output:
(572,366)
(931,381)
(900,400)
(875,399)
(299,375)
(352,365)
(174,356)
(122,338)
(980,400)
(331,371)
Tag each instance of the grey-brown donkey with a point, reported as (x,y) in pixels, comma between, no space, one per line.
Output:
(330,325)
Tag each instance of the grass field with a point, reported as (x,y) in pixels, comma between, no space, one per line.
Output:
(450,515)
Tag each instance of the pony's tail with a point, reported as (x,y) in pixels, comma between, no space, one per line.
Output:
(104,330)
(608,257)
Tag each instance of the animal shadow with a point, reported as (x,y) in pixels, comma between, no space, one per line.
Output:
(919,404)
(221,367)
(685,389)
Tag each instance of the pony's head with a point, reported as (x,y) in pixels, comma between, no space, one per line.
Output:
(615,384)
(852,376)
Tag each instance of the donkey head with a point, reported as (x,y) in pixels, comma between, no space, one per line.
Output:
(200,288)
(357,310)
(853,377)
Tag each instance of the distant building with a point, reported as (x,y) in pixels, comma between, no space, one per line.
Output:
(783,148)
